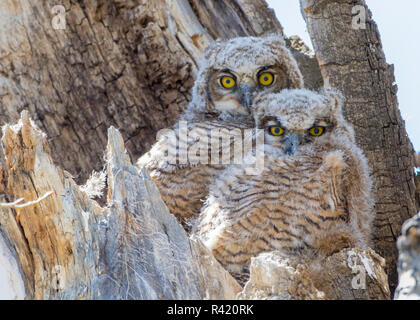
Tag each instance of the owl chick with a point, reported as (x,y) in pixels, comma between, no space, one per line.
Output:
(233,72)
(230,76)
(314,194)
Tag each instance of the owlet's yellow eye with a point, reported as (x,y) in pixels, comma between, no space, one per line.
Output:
(227,82)
(266,78)
(276,131)
(316,131)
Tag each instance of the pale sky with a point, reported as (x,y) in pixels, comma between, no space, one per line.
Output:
(399,26)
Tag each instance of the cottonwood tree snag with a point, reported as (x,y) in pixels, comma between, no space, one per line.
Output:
(127,64)
(353,61)
(68,247)
(115,63)
(227,19)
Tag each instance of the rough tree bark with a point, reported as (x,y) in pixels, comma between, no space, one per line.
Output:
(130,64)
(352,60)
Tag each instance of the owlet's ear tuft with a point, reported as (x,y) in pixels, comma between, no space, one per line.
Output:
(212,48)
(335,99)
(276,39)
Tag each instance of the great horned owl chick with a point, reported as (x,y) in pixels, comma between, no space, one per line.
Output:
(313,197)
(231,74)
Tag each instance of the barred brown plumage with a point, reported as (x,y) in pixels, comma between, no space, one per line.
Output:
(313,198)
(184,187)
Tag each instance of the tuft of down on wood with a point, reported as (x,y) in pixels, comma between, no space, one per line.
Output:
(68,247)
(65,246)
(409,261)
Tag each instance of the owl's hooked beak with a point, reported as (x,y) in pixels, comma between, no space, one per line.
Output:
(291,143)
(246,96)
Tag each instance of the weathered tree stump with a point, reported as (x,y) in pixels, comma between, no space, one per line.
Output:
(68,247)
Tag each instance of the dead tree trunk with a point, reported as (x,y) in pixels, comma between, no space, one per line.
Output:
(68,247)
(351,59)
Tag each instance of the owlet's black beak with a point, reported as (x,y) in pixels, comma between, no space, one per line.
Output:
(291,144)
(246,97)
